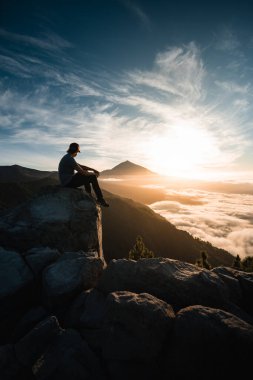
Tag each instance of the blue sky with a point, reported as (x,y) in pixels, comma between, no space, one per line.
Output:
(165,85)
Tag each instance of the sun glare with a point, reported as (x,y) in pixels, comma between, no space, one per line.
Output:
(184,151)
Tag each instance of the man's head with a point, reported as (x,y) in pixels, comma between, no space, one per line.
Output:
(73,148)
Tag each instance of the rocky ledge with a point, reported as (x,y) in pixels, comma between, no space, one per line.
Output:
(65,315)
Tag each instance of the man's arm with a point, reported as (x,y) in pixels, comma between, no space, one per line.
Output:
(86,168)
(82,169)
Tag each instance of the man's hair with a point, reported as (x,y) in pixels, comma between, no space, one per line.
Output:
(73,147)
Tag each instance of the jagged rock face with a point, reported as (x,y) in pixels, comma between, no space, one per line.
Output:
(61,218)
(178,283)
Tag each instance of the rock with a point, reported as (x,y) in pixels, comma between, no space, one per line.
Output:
(40,258)
(61,218)
(16,289)
(68,357)
(178,283)
(136,326)
(10,368)
(209,343)
(228,275)
(87,311)
(246,282)
(36,342)
(240,286)
(28,322)
(70,275)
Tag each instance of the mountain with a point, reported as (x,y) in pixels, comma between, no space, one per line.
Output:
(122,222)
(126,168)
(16,173)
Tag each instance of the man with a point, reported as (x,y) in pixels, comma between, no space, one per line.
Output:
(69,178)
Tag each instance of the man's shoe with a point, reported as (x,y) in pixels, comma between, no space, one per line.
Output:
(102,202)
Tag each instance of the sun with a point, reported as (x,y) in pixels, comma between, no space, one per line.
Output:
(184,150)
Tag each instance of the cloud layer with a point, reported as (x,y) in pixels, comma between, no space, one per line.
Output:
(225,220)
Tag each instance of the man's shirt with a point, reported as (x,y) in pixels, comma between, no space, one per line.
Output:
(66,169)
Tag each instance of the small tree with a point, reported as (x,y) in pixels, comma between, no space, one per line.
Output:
(237,264)
(139,250)
(202,262)
(247,264)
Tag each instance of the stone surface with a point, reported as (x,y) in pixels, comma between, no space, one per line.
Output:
(136,326)
(228,275)
(70,275)
(16,290)
(69,357)
(34,344)
(208,343)
(14,273)
(60,218)
(178,283)
(240,286)
(39,258)
(28,322)
(10,368)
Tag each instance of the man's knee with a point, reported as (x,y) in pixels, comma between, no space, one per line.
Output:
(92,178)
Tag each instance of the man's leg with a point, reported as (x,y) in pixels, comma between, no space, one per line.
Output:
(77,181)
(86,180)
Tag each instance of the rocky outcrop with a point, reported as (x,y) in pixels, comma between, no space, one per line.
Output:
(60,218)
(178,283)
(65,315)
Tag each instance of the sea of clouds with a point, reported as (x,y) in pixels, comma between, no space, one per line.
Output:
(225,220)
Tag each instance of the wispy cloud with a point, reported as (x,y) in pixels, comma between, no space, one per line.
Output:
(48,41)
(137,11)
(227,40)
(233,87)
(177,71)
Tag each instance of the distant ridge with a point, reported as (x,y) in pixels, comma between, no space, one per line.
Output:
(17,173)
(126,168)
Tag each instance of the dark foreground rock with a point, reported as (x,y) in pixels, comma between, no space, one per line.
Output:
(209,343)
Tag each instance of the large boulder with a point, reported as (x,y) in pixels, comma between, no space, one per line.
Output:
(72,273)
(16,289)
(178,283)
(128,330)
(208,343)
(68,357)
(136,326)
(61,218)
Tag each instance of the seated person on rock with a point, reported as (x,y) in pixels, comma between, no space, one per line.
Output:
(69,178)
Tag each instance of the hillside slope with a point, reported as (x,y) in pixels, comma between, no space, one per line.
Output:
(125,219)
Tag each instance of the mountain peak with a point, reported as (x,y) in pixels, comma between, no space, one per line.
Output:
(127,168)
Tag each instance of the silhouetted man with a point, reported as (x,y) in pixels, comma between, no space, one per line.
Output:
(69,178)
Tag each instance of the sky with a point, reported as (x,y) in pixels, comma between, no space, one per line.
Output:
(167,85)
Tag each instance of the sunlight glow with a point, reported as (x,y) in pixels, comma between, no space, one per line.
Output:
(184,150)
